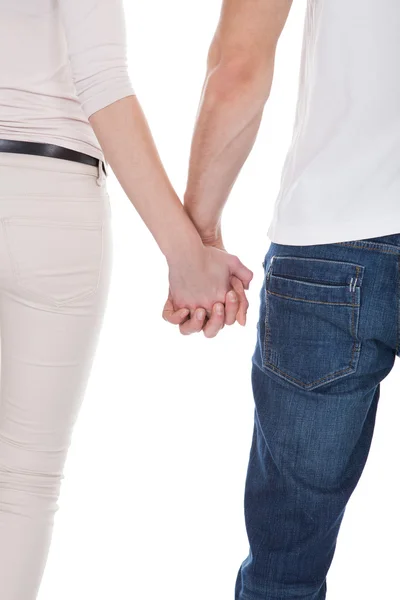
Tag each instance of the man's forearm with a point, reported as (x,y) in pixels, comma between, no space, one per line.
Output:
(225,133)
(238,84)
(227,125)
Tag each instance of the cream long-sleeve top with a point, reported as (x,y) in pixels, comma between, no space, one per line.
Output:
(60,62)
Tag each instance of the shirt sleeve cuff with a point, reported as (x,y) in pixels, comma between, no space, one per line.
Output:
(105,98)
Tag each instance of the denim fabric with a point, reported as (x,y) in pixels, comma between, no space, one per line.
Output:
(328,334)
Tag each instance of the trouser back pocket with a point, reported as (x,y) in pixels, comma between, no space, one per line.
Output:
(311,319)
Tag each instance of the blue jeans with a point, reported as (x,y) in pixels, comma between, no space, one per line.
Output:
(328,334)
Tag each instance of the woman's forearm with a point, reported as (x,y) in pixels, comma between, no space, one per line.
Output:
(128,146)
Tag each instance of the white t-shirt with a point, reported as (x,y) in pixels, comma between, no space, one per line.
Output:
(341,178)
(60,61)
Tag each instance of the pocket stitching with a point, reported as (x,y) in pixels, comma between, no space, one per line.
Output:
(43,222)
(304,280)
(14,263)
(312,301)
(332,376)
(359,269)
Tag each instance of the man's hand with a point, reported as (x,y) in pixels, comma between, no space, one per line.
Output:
(209,295)
(233,309)
(236,300)
(239,76)
(196,321)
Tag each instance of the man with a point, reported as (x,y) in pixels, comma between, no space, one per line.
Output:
(328,331)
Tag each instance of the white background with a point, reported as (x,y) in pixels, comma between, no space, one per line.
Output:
(152,501)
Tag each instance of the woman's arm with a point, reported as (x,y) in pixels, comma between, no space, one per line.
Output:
(96,38)
(125,137)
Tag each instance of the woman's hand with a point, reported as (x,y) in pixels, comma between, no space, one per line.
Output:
(207,291)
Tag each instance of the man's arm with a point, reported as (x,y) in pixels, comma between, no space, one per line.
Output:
(238,83)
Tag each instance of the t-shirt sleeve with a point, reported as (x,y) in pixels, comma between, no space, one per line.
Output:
(96,39)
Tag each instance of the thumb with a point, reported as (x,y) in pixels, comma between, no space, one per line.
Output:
(241,272)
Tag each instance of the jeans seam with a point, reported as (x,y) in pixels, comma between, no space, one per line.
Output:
(267,331)
(373,247)
(320,260)
(398,306)
(353,332)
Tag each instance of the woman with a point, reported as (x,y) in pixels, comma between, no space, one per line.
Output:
(66,107)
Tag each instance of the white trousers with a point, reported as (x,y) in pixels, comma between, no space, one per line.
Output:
(55,266)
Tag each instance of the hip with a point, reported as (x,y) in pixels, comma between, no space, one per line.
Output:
(55,229)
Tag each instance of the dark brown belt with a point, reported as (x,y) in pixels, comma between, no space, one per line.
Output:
(51,150)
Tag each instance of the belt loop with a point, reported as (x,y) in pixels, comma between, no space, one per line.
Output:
(101,173)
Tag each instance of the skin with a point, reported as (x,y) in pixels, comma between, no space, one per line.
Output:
(239,77)
(200,275)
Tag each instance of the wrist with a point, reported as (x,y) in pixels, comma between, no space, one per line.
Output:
(212,238)
(183,246)
(208,228)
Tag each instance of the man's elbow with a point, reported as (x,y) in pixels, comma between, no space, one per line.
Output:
(241,77)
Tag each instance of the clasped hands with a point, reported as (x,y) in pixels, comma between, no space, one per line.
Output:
(207,290)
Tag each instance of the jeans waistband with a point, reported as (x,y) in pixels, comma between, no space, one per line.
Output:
(385,243)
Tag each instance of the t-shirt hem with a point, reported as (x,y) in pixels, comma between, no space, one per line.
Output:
(304,236)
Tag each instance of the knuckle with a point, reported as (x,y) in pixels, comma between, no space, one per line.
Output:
(238,261)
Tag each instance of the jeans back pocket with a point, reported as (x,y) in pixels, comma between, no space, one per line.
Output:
(311,319)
